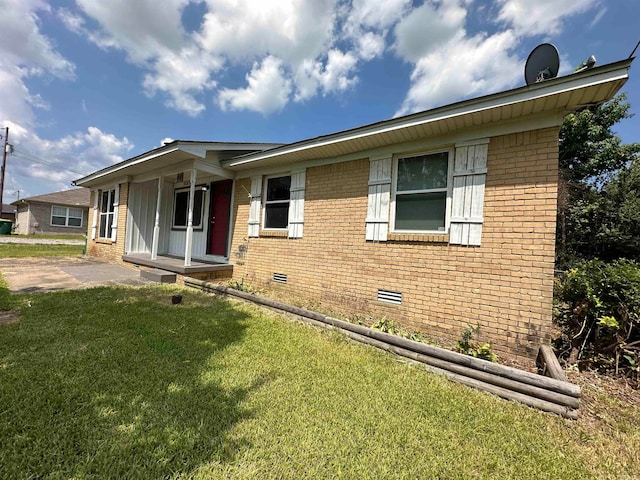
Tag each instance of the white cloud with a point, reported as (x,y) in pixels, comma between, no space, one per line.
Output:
(428,27)
(142,28)
(542,17)
(304,35)
(39,165)
(23,45)
(183,76)
(267,91)
(449,63)
(464,67)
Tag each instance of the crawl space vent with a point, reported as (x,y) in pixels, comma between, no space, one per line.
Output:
(280,277)
(390,297)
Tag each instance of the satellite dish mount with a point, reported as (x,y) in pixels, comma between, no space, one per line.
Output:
(542,64)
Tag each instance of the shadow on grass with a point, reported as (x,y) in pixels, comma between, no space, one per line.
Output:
(118,383)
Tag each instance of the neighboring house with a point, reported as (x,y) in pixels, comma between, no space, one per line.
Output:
(53,213)
(435,220)
(8,212)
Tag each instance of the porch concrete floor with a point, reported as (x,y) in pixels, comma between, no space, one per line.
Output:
(176,265)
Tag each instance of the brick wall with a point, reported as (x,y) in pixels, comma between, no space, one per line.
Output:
(36,219)
(505,285)
(106,249)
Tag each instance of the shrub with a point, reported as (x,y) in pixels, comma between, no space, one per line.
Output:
(598,309)
(467,346)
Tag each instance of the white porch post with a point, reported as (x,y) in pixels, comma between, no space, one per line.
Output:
(156,226)
(189,242)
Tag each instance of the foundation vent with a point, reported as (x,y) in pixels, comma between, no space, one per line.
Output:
(390,297)
(280,277)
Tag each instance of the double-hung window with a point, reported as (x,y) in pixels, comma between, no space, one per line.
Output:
(66,216)
(421,190)
(276,203)
(181,208)
(107,209)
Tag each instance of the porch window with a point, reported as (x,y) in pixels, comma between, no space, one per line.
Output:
(276,204)
(181,208)
(421,191)
(107,209)
(66,216)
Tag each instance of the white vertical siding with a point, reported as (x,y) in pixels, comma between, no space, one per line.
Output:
(140,219)
(177,239)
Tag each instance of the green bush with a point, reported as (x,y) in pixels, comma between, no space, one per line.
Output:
(598,309)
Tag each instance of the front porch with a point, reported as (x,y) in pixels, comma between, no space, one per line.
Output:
(176,264)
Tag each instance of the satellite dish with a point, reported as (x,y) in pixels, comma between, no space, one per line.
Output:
(543,63)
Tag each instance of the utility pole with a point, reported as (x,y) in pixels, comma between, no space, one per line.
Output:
(5,147)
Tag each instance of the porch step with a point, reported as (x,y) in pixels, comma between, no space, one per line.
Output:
(157,275)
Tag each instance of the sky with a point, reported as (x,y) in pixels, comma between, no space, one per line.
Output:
(88,83)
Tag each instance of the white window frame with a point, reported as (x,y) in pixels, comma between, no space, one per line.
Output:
(66,216)
(197,228)
(449,190)
(265,202)
(105,215)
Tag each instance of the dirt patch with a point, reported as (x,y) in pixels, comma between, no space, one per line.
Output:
(8,318)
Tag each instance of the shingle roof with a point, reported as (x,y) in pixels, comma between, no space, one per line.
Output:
(6,208)
(76,197)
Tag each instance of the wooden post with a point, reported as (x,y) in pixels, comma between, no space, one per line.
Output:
(156,226)
(189,240)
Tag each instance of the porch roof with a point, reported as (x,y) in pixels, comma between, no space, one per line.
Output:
(173,157)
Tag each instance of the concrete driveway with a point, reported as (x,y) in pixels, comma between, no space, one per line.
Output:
(48,274)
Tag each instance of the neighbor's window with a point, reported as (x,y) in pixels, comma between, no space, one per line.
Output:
(107,200)
(276,204)
(66,216)
(181,208)
(421,192)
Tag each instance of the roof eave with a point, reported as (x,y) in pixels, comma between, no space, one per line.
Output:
(193,148)
(613,72)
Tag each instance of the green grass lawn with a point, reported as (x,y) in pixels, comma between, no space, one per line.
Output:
(50,236)
(21,250)
(119,383)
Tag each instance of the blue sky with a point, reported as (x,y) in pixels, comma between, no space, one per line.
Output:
(87,83)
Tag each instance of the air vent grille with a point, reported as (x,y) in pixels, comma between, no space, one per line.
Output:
(280,277)
(390,297)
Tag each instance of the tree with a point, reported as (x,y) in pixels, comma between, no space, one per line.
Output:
(595,195)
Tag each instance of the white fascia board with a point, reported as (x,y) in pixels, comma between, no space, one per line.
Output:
(459,137)
(533,92)
(122,165)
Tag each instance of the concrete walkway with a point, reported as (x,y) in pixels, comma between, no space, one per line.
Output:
(48,274)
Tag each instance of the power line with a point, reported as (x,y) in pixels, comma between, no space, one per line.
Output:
(32,158)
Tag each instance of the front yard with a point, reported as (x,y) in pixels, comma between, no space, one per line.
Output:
(120,383)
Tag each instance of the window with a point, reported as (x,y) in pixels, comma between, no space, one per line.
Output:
(107,209)
(66,216)
(276,204)
(421,190)
(181,208)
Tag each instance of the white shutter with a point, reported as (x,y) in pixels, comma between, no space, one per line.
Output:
(469,176)
(254,207)
(94,225)
(378,200)
(296,204)
(116,202)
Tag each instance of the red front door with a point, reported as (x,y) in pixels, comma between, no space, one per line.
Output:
(219,214)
